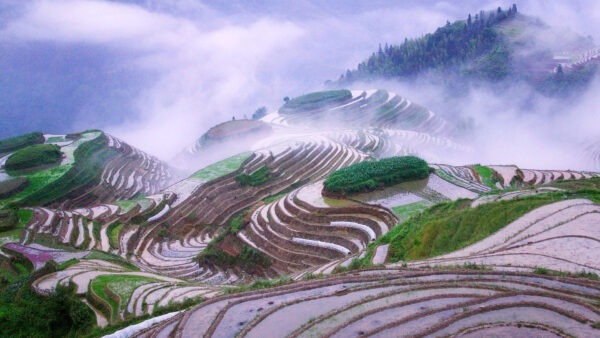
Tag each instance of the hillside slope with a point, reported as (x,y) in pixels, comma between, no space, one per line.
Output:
(255,242)
(491,46)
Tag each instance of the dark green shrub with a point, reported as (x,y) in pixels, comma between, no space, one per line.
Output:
(21,141)
(258,177)
(24,313)
(8,219)
(259,113)
(368,176)
(33,156)
(249,259)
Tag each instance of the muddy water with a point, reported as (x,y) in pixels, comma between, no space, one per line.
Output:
(239,315)
(525,314)
(396,195)
(364,323)
(286,320)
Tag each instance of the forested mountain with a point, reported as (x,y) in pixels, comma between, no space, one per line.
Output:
(489,46)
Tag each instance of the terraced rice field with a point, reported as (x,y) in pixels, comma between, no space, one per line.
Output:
(125,172)
(302,232)
(132,242)
(390,302)
(115,292)
(561,236)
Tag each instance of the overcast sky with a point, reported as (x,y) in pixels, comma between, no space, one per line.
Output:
(158,74)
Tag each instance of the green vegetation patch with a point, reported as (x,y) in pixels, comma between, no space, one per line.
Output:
(221,168)
(24,313)
(21,141)
(248,259)
(370,175)
(487,176)
(37,181)
(122,285)
(581,274)
(258,177)
(126,205)
(14,219)
(316,100)
(113,234)
(90,157)
(445,50)
(406,211)
(33,156)
(66,264)
(449,226)
(260,284)
(56,139)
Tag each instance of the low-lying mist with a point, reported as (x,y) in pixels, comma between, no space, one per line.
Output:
(206,62)
(514,125)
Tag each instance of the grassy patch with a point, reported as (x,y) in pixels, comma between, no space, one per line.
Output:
(113,234)
(126,205)
(37,181)
(33,156)
(123,285)
(221,168)
(259,284)
(316,100)
(67,264)
(258,177)
(406,211)
(486,175)
(105,256)
(450,226)
(582,274)
(370,175)
(56,139)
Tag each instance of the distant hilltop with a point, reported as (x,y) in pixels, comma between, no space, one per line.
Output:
(490,46)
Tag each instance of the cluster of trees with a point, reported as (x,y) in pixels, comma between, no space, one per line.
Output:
(21,141)
(371,175)
(33,156)
(24,313)
(449,45)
